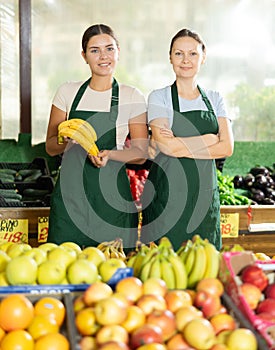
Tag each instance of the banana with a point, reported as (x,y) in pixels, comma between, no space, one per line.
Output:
(76,123)
(145,270)
(167,272)
(89,145)
(155,270)
(199,266)
(189,260)
(105,244)
(138,263)
(184,249)
(107,252)
(212,260)
(114,253)
(149,255)
(181,277)
(131,261)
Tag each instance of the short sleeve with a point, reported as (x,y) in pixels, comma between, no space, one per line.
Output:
(159,104)
(138,103)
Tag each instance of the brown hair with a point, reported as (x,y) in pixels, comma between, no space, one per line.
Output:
(97,29)
(187,32)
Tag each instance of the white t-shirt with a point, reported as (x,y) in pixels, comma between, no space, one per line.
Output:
(131,104)
(160,104)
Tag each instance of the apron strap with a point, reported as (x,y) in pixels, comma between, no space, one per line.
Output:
(175,98)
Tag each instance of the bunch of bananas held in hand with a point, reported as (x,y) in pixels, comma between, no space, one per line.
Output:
(160,261)
(113,249)
(80,131)
(201,260)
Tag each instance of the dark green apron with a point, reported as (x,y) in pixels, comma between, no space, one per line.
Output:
(181,196)
(89,204)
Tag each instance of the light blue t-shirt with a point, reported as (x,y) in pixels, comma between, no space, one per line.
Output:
(160,104)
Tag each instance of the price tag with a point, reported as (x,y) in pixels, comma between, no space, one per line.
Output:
(230,225)
(43,226)
(14,230)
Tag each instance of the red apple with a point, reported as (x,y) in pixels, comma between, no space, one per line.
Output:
(255,275)
(266,316)
(209,304)
(165,319)
(269,291)
(266,305)
(145,334)
(251,294)
(151,302)
(177,298)
(211,285)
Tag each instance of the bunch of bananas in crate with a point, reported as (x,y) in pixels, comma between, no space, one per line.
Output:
(159,261)
(201,260)
(113,249)
(81,131)
(195,260)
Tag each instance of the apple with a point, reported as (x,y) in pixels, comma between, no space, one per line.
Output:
(211,285)
(94,254)
(151,302)
(82,271)
(242,336)
(62,255)
(199,334)
(176,298)
(266,316)
(251,294)
(78,303)
(17,249)
(127,302)
(4,259)
(176,342)
(209,304)
(85,321)
(87,343)
(165,319)
(185,314)
(135,318)
(112,332)
(3,279)
(152,346)
(37,254)
(71,245)
(255,275)
(5,245)
(50,272)
(109,267)
(146,334)
(222,336)
(269,291)
(112,345)
(110,311)
(47,246)
(95,292)
(131,287)
(266,305)
(154,285)
(21,270)
(223,321)
(219,346)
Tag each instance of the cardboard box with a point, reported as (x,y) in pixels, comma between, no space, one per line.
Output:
(231,265)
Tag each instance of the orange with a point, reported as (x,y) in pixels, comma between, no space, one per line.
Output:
(2,333)
(17,340)
(42,325)
(85,321)
(51,306)
(52,341)
(16,312)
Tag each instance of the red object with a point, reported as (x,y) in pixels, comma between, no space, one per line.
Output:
(255,275)
(209,304)
(270,291)
(267,305)
(145,334)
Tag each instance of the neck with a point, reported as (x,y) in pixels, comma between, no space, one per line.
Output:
(101,83)
(187,89)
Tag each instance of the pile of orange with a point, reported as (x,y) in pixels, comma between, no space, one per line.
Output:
(28,326)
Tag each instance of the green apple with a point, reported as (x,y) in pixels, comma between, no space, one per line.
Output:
(107,268)
(18,249)
(4,259)
(93,254)
(21,270)
(62,255)
(37,254)
(72,245)
(47,246)
(51,272)
(82,271)
(3,279)
(5,245)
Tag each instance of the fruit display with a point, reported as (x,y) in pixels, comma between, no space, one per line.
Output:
(34,322)
(81,131)
(148,315)
(258,184)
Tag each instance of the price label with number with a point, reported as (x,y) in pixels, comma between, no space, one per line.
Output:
(230,225)
(14,230)
(43,226)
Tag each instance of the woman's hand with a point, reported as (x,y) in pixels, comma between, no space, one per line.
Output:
(166,132)
(101,159)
